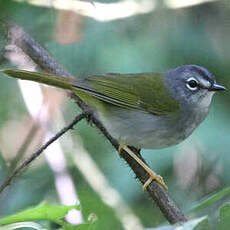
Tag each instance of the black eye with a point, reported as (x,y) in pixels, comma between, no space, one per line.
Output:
(192,84)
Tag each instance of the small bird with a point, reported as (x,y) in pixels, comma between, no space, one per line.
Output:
(143,110)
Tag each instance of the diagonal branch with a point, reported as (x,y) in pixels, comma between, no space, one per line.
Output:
(18,37)
(36,154)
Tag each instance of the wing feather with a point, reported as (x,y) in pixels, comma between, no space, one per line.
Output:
(141,92)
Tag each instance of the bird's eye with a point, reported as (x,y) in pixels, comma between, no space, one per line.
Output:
(192,84)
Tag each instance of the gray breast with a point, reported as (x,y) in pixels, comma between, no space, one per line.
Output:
(143,130)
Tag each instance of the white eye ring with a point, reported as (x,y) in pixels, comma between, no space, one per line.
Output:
(192,84)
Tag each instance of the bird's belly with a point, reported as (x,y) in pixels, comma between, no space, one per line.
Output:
(141,130)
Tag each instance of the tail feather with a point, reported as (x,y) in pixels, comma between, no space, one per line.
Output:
(49,79)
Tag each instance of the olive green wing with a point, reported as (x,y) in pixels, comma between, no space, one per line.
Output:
(143,92)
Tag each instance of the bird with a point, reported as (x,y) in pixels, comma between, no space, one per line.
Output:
(145,110)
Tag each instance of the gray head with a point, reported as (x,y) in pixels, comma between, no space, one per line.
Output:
(193,86)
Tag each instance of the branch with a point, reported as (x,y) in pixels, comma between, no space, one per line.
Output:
(40,150)
(45,61)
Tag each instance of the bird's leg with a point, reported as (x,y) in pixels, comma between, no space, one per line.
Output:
(152,174)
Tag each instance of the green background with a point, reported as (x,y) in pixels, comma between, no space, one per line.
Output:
(156,41)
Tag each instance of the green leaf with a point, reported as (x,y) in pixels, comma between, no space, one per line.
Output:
(224,221)
(193,224)
(87,226)
(203,225)
(225,211)
(210,200)
(43,211)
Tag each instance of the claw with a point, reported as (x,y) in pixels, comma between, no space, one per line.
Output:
(159,179)
(120,148)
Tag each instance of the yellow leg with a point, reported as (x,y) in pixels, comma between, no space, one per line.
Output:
(152,174)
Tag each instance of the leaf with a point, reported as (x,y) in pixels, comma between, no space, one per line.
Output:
(225,211)
(193,224)
(43,211)
(210,200)
(87,226)
(203,225)
(224,221)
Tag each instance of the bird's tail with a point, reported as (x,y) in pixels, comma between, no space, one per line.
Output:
(49,79)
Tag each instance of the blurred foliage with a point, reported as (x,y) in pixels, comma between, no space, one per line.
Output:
(157,41)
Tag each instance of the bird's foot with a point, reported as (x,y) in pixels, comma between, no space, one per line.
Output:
(152,174)
(120,148)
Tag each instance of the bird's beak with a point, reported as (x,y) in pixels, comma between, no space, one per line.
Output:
(216,87)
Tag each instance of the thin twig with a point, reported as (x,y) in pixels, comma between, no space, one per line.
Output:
(45,61)
(18,170)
